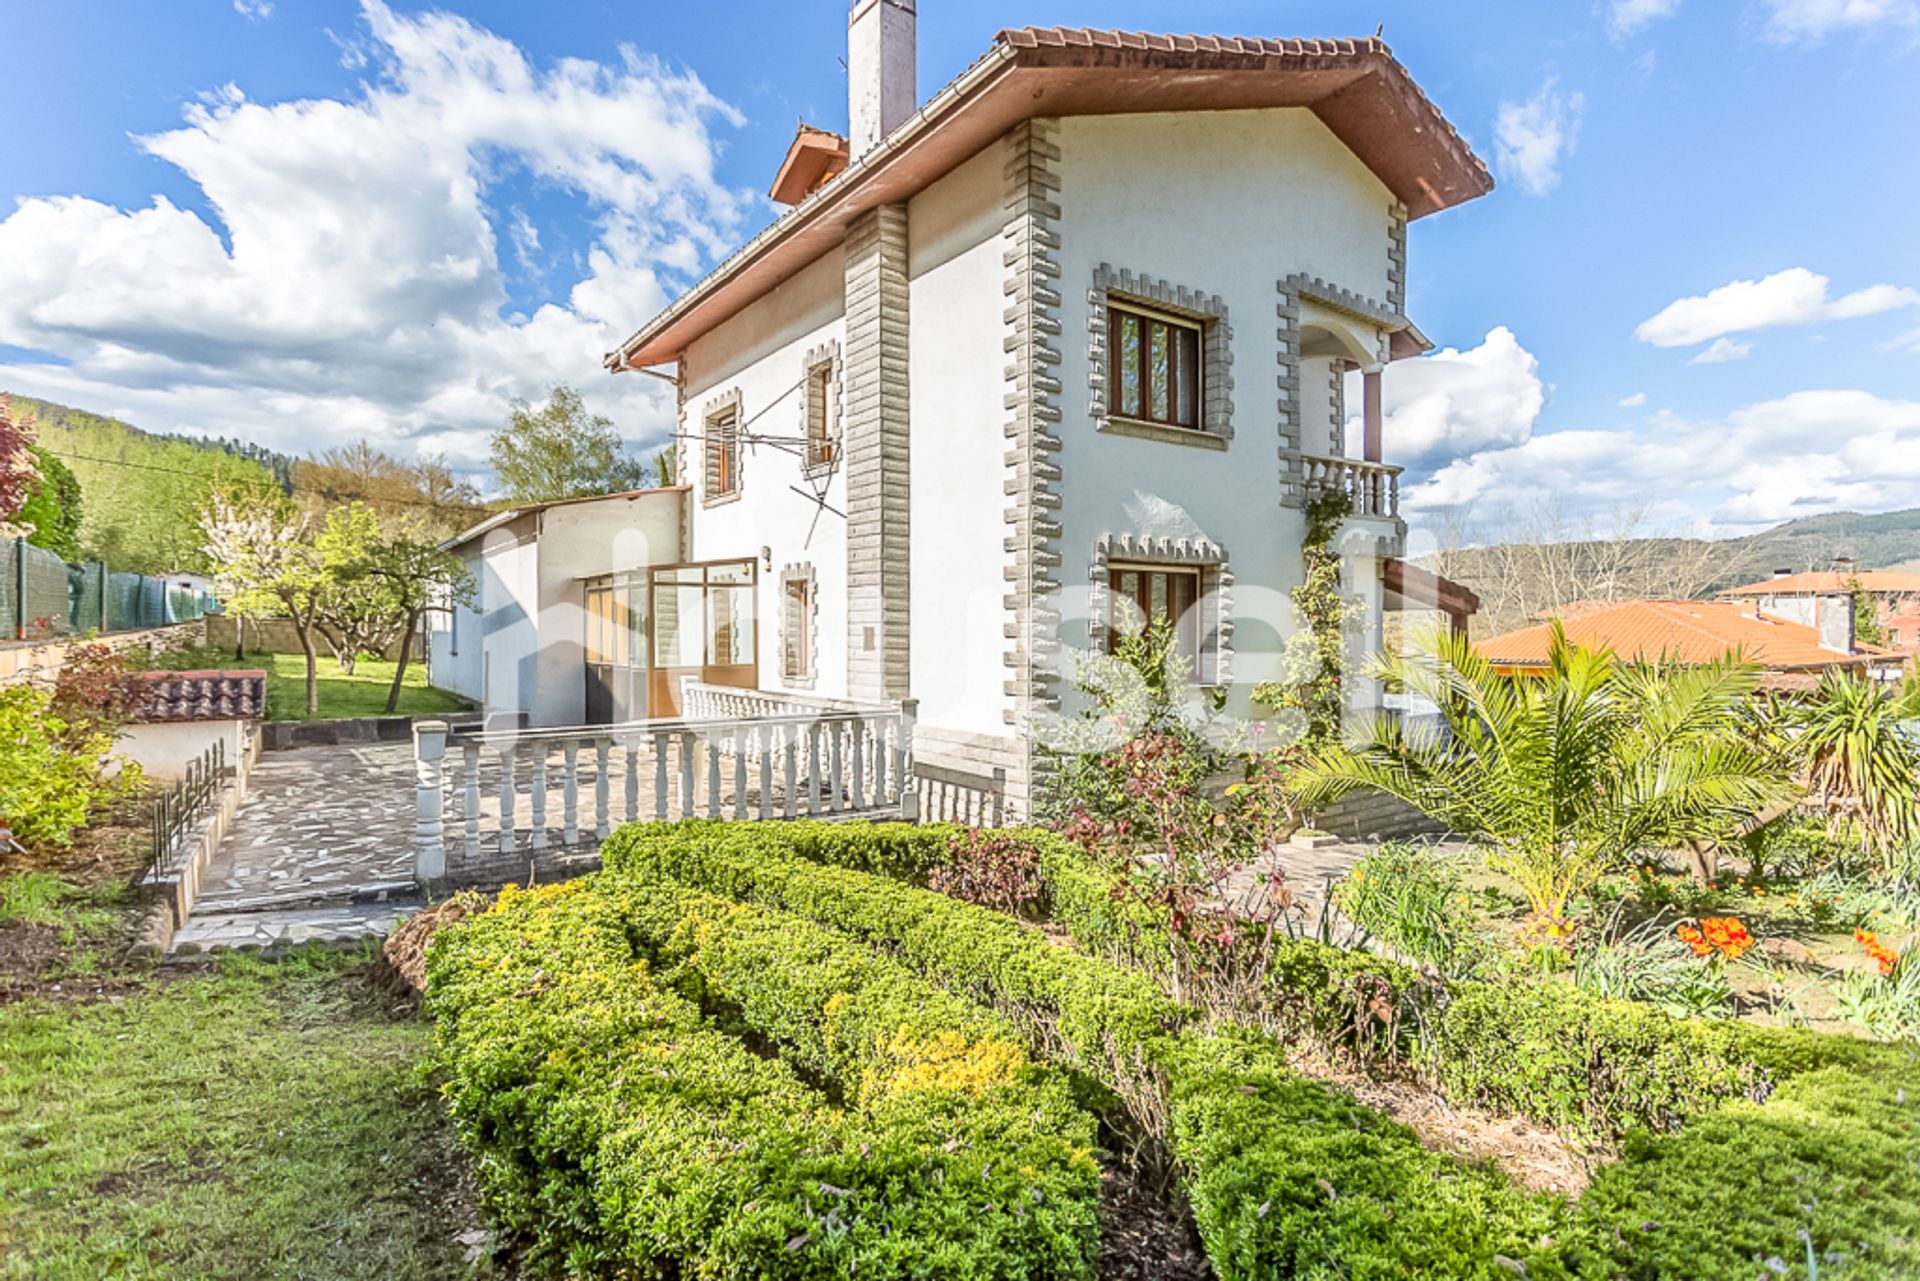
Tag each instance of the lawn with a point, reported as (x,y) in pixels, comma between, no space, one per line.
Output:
(258,1119)
(362,694)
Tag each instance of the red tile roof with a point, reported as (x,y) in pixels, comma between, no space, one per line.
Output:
(1356,87)
(209,695)
(1873,580)
(1684,631)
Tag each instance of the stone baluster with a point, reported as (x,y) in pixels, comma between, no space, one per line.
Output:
(541,750)
(601,827)
(508,760)
(430,798)
(903,760)
(470,769)
(570,793)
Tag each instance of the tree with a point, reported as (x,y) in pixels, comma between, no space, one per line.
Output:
(1866,614)
(663,468)
(425,489)
(53,508)
(262,550)
(561,451)
(417,576)
(18,473)
(1560,777)
(359,613)
(1856,761)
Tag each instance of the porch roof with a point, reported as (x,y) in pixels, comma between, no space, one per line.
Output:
(1420,588)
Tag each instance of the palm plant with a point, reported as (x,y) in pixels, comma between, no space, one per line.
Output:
(1561,776)
(1857,759)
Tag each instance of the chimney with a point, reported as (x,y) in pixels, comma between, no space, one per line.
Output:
(1833,616)
(1843,566)
(1783,573)
(880,70)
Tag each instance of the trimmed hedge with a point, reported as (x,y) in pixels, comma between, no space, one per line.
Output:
(629,1137)
(1785,1131)
(1236,1118)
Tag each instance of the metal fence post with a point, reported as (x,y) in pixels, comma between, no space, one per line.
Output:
(19,589)
(429,828)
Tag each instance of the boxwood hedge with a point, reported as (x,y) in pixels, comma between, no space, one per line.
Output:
(1746,1149)
(628,1136)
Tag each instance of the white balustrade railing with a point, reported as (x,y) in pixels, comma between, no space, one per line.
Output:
(780,764)
(1372,488)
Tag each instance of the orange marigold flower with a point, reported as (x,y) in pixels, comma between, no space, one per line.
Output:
(1882,955)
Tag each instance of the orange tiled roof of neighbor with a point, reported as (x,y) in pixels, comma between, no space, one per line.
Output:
(1684,631)
(1828,580)
(1355,86)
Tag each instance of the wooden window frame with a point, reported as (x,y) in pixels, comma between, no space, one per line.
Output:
(720,452)
(799,619)
(1193,618)
(823,450)
(1119,310)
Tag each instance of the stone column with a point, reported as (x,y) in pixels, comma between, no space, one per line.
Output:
(875,428)
(1371,413)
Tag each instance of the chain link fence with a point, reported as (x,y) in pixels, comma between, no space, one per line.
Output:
(42,597)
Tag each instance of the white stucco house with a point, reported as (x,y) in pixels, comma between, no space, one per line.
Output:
(1073,331)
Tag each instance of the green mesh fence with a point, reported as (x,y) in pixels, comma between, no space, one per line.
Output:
(42,596)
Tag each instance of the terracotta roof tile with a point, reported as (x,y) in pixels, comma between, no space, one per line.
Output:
(1686,631)
(199,696)
(1873,580)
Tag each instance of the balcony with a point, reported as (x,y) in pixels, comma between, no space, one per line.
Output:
(1372,488)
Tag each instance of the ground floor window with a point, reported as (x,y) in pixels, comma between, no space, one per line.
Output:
(616,621)
(704,626)
(1169,594)
(796,625)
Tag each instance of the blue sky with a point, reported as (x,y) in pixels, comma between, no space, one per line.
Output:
(317,220)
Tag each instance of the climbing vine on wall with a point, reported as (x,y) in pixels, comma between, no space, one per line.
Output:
(1311,695)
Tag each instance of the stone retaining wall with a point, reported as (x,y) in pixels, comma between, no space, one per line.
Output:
(175,894)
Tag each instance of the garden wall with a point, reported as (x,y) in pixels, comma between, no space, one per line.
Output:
(42,660)
(279,636)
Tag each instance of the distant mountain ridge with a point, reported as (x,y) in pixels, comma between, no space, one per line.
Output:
(141,492)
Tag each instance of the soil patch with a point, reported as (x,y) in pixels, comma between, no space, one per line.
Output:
(402,969)
(1143,1235)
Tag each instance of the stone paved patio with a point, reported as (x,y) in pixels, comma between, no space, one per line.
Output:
(320,825)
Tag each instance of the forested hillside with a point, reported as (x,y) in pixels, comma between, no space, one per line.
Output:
(142,493)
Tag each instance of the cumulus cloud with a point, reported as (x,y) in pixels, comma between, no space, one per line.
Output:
(1795,296)
(1634,401)
(1795,21)
(1454,402)
(1531,138)
(1799,455)
(350,282)
(253,10)
(1625,17)
(1721,350)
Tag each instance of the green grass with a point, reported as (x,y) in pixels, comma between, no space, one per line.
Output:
(362,694)
(265,1119)
(41,898)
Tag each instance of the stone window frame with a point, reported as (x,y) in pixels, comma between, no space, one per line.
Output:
(729,400)
(1216,356)
(1216,584)
(802,572)
(827,353)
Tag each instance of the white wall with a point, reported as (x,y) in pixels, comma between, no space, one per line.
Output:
(453,638)
(762,353)
(1228,203)
(164,749)
(956,359)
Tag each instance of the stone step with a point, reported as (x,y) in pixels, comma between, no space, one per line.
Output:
(295,896)
(342,925)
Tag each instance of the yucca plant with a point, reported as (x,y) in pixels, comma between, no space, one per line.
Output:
(1561,776)
(1857,761)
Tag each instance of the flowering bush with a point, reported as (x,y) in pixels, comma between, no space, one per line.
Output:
(1886,1004)
(1721,935)
(1883,956)
(54,772)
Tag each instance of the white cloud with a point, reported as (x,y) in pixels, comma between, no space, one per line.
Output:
(1794,21)
(253,10)
(1634,401)
(1453,402)
(357,289)
(1721,350)
(1531,138)
(1799,455)
(1624,17)
(1795,296)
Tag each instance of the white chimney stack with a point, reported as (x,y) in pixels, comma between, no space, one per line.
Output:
(880,70)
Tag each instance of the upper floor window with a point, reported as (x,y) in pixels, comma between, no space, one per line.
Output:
(722,444)
(821,448)
(1156,373)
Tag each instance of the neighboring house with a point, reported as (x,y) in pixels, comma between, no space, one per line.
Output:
(1065,344)
(556,630)
(1799,597)
(1794,655)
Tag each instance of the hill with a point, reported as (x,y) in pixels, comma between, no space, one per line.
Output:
(141,492)
(1515,580)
